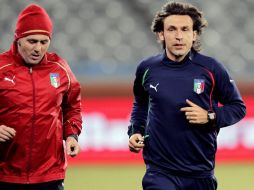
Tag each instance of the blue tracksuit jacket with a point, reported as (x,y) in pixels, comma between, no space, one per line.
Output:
(161,88)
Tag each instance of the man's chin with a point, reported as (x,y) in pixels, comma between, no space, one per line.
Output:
(180,53)
(33,62)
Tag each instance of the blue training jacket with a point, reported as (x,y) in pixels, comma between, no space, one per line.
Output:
(161,88)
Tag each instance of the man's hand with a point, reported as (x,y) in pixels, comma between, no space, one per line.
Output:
(136,143)
(6,133)
(194,113)
(72,146)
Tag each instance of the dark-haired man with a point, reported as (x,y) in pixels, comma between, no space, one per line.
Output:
(175,116)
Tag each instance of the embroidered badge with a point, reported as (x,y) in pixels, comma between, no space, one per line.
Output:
(55,80)
(199,85)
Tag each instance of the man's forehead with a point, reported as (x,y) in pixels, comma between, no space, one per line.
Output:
(38,37)
(178,20)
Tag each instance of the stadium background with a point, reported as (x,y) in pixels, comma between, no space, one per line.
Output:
(103,41)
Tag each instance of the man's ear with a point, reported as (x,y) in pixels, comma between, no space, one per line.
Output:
(18,43)
(161,36)
(194,35)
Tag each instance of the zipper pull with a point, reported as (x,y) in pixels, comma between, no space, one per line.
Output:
(30,70)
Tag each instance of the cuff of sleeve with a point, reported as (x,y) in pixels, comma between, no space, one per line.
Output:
(71,128)
(133,129)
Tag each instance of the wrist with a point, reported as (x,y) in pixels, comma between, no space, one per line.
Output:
(74,136)
(211,117)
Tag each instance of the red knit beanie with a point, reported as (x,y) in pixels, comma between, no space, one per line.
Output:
(33,20)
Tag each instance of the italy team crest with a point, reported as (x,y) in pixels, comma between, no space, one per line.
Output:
(199,85)
(55,80)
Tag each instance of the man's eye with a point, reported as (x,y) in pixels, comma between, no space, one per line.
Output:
(32,41)
(44,42)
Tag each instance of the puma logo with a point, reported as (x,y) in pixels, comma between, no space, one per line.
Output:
(154,87)
(10,80)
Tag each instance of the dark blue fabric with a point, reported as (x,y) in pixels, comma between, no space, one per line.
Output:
(161,88)
(158,180)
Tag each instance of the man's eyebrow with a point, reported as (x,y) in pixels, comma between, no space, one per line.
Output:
(36,40)
(180,27)
(171,26)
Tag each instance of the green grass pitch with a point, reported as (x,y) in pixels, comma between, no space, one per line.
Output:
(230,177)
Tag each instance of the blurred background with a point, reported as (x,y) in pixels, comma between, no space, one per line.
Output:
(103,42)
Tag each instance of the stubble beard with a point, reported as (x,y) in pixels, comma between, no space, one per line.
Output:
(179,55)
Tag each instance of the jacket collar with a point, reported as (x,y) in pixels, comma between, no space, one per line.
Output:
(187,59)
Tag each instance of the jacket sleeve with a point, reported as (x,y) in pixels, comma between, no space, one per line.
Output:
(227,93)
(140,105)
(71,106)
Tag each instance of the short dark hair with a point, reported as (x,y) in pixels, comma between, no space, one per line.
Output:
(176,8)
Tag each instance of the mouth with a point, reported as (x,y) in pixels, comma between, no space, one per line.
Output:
(35,56)
(179,46)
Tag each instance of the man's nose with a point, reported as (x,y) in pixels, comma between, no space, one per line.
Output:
(179,35)
(37,47)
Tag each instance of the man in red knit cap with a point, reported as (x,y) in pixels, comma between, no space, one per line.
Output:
(40,109)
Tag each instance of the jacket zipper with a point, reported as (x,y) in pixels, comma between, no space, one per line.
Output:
(32,132)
